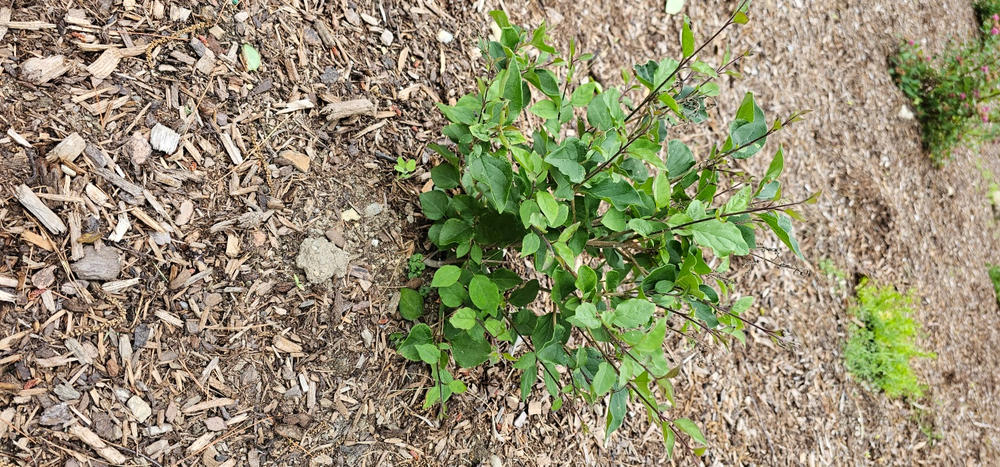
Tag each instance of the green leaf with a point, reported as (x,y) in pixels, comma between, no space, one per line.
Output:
(529,244)
(781,225)
(549,206)
(484,293)
(445,176)
(739,201)
(545,109)
(505,279)
(429,353)
(457,386)
(668,439)
(740,18)
(469,352)
(616,411)
(500,17)
(453,295)
(583,94)
(749,128)
(454,231)
(704,68)
(687,426)
(465,111)
(585,316)
(566,160)
(648,151)
(741,305)
(463,318)
(653,340)
(687,38)
(526,294)
(419,334)
(619,193)
(251,57)
(586,279)
(661,190)
(514,89)
(679,158)
(447,275)
(724,238)
(434,204)
(601,110)
(411,304)
(528,376)
(614,220)
(633,313)
(769,190)
(774,170)
(604,379)
(495,173)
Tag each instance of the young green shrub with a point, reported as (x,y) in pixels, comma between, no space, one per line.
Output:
(628,234)
(882,340)
(956,96)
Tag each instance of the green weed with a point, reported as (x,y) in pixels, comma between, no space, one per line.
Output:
(880,349)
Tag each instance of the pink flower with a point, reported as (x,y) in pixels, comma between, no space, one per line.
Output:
(985,69)
(910,42)
(962,96)
(996,17)
(994,31)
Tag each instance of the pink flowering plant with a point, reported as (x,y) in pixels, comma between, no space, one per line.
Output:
(988,14)
(955,95)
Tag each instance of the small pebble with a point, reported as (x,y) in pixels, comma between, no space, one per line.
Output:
(350,215)
(373,210)
(140,408)
(387,37)
(66,392)
(445,36)
(215,423)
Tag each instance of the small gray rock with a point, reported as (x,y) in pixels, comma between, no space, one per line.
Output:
(66,392)
(56,415)
(103,265)
(373,210)
(140,408)
(321,260)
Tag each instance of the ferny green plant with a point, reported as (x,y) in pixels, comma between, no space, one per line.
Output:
(882,340)
(577,231)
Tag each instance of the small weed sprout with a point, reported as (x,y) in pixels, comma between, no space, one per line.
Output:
(405,167)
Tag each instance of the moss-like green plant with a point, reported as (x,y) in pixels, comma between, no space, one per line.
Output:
(880,351)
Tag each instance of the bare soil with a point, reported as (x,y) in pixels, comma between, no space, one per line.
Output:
(226,355)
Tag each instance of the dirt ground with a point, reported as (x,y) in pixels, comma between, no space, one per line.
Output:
(218,351)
